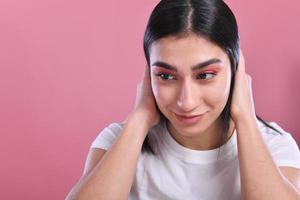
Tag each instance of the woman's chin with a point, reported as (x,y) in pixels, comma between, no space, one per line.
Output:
(187,131)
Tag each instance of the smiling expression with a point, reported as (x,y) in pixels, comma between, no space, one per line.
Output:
(190,76)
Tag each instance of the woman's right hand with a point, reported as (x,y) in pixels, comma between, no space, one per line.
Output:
(145,102)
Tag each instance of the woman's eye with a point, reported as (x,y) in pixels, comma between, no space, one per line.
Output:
(165,76)
(206,75)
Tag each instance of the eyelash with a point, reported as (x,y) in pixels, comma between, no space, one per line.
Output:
(210,73)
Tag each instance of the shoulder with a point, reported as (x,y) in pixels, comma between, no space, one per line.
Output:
(282,146)
(107,135)
(273,137)
(114,129)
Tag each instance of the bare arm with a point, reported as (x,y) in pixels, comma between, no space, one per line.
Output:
(112,177)
(260,177)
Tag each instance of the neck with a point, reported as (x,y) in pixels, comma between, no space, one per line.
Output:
(208,140)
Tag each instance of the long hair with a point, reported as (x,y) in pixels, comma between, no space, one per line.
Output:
(209,19)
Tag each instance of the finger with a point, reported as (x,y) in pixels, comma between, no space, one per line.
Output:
(147,71)
(249,79)
(241,65)
(145,74)
(147,79)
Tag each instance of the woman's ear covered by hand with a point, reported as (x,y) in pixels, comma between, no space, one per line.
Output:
(145,101)
(242,105)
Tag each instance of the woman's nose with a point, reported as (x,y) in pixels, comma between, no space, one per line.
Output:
(187,100)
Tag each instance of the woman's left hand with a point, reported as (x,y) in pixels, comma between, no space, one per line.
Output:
(242,106)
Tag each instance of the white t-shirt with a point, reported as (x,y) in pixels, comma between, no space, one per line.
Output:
(177,172)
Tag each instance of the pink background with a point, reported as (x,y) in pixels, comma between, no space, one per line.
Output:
(69,68)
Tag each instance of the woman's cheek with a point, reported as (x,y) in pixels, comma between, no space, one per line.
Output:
(218,94)
(162,94)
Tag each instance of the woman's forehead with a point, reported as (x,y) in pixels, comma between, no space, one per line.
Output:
(184,46)
(185,51)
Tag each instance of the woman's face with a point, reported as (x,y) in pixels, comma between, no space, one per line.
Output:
(180,89)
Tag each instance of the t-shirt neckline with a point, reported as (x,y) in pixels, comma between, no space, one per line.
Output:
(226,151)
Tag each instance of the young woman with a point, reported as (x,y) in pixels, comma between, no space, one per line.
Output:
(193,133)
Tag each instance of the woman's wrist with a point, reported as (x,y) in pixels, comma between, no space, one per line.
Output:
(246,122)
(138,119)
(243,118)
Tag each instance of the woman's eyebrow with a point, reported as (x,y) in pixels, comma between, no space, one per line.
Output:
(196,67)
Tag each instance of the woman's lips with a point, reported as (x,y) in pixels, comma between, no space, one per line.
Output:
(188,120)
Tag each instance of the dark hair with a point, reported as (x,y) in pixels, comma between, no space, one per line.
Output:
(210,19)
